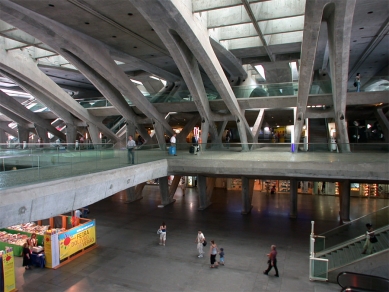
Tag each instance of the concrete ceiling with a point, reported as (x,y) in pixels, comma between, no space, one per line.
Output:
(256,33)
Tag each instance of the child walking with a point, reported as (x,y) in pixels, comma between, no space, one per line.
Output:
(221,254)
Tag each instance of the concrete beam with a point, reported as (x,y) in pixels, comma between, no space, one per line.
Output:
(204,5)
(18,109)
(10,131)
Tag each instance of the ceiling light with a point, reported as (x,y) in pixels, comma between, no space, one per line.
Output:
(136,82)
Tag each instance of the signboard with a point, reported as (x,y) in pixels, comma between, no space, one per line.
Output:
(76,239)
(51,245)
(9,271)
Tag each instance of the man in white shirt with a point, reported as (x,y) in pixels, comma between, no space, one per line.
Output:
(130,148)
(173,142)
(199,240)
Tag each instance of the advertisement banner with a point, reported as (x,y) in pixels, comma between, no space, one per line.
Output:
(51,249)
(76,239)
(9,271)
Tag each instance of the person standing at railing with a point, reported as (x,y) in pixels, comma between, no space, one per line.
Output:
(357,82)
(131,150)
(368,247)
(173,142)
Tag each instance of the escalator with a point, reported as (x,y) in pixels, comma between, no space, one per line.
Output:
(318,135)
(356,282)
(341,249)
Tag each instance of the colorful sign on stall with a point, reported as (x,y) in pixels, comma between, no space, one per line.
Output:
(9,271)
(76,239)
(51,249)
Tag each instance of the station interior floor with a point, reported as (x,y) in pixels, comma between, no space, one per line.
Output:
(129,258)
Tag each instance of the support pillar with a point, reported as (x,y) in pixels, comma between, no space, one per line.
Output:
(204,134)
(293,199)
(173,186)
(344,201)
(204,191)
(94,134)
(247,195)
(135,193)
(23,134)
(3,136)
(160,134)
(164,190)
(42,134)
(71,133)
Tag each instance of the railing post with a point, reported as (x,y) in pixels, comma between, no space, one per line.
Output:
(312,241)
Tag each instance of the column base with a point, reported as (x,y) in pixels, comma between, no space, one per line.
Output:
(245,212)
(204,207)
(164,205)
(134,200)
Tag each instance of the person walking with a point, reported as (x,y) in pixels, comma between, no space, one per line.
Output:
(357,82)
(162,236)
(213,251)
(200,241)
(272,262)
(130,148)
(368,247)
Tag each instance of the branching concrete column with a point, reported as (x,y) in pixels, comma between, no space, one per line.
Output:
(23,134)
(71,133)
(164,190)
(135,193)
(344,201)
(181,137)
(42,134)
(293,199)
(312,22)
(6,128)
(205,191)
(339,22)
(247,195)
(3,136)
(160,134)
(257,125)
(94,134)
(204,134)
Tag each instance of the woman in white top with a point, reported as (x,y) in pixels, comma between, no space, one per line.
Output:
(213,251)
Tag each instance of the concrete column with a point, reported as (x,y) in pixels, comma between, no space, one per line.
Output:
(135,193)
(257,125)
(312,23)
(14,106)
(181,137)
(339,23)
(42,134)
(173,186)
(71,133)
(160,134)
(10,131)
(164,190)
(3,136)
(204,134)
(383,122)
(293,199)
(202,188)
(344,200)
(247,195)
(94,134)
(23,134)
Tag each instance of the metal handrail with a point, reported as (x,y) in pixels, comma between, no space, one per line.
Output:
(362,281)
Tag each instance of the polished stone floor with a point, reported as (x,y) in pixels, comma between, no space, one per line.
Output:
(128,257)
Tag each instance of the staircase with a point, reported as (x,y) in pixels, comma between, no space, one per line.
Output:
(351,252)
(340,249)
(317,137)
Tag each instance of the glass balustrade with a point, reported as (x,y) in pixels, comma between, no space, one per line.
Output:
(32,163)
(351,230)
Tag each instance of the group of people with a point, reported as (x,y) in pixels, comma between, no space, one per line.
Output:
(27,249)
(214,250)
